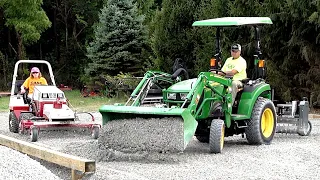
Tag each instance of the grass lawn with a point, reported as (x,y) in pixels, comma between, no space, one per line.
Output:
(78,103)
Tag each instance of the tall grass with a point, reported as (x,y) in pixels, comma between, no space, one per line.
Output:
(77,102)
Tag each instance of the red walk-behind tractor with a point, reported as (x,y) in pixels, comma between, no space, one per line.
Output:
(48,108)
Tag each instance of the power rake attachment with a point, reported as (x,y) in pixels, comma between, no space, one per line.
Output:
(293,118)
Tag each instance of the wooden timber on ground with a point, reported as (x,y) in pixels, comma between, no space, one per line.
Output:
(314,116)
(4,93)
(75,163)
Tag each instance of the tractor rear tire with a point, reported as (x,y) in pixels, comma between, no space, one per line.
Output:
(262,124)
(203,138)
(216,140)
(13,123)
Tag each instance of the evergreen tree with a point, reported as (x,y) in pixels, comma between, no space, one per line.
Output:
(205,37)
(119,40)
(292,48)
(172,36)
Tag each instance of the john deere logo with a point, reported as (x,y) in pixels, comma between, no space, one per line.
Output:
(230,66)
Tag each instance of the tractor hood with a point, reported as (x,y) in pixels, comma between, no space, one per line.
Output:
(186,86)
(183,86)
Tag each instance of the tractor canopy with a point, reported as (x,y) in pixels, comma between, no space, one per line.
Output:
(233,21)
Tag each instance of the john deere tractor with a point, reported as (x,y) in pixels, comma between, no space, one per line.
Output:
(200,107)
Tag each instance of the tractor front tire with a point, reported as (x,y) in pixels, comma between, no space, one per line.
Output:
(262,124)
(13,123)
(216,139)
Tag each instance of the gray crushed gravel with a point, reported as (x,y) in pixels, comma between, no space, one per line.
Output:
(129,135)
(15,165)
(288,157)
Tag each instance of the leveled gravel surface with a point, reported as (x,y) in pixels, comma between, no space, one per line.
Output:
(288,157)
(15,165)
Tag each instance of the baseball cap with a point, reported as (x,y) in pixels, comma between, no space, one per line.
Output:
(35,69)
(236,47)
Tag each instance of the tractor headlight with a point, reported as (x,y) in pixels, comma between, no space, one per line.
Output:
(172,96)
(230,89)
(183,96)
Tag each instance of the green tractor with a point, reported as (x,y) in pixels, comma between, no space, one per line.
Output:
(200,107)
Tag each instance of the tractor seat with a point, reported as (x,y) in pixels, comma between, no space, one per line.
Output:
(245,81)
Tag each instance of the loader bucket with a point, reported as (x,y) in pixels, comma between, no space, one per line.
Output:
(132,128)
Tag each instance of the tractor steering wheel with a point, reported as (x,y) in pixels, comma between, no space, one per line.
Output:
(218,70)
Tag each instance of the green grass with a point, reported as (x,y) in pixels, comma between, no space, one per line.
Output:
(78,103)
(4,104)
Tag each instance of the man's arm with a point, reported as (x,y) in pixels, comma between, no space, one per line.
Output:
(232,72)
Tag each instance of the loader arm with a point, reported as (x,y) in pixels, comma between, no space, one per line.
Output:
(150,78)
(200,100)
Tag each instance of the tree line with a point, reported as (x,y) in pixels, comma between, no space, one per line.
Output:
(86,39)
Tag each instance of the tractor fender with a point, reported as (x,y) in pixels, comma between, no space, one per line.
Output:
(250,95)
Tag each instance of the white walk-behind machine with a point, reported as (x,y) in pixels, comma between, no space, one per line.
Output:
(48,108)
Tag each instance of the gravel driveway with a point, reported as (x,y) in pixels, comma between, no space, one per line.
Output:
(288,157)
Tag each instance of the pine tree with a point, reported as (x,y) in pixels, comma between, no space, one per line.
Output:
(205,37)
(119,40)
(172,36)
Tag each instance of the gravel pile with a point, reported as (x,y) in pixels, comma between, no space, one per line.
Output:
(15,165)
(134,140)
(153,134)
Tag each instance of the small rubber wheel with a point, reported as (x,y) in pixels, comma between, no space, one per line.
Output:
(309,128)
(34,132)
(216,139)
(95,132)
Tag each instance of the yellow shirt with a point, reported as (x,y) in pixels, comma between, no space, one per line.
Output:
(29,83)
(239,64)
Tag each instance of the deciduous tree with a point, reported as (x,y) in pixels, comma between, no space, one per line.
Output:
(27,18)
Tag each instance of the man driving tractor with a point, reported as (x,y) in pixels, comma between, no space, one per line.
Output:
(235,66)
